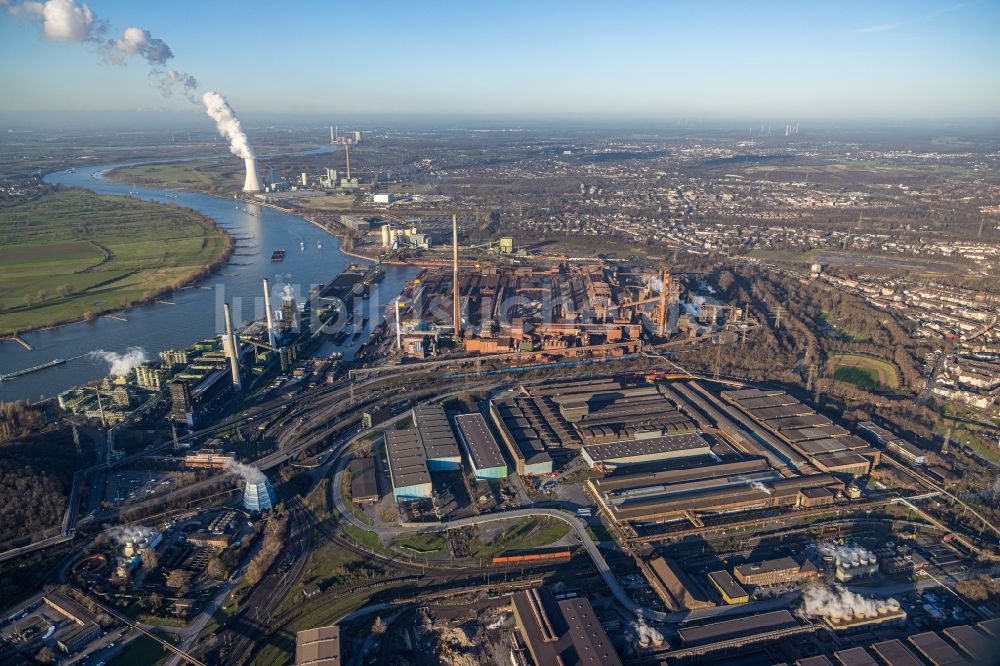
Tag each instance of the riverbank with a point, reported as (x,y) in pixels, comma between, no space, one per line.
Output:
(73,255)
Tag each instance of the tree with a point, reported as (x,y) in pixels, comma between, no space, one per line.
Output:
(65,290)
(42,295)
(149,559)
(29,299)
(154,601)
(217,569)
(45,655)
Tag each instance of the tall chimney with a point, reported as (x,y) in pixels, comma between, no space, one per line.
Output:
(664,285)
(456,298)
(347,152)
(252,183)
(399,338)
(270,314)
(234,348)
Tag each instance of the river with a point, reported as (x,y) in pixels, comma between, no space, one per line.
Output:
(312,257)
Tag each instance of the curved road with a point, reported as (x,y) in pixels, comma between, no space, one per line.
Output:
(577,525)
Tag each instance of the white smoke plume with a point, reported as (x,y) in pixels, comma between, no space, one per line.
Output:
(121,364)
(647,634)
(131,534)
(847,554)
(760,486)
(61,20)
(837,601)
(228,124)
(246,472)
(71,21)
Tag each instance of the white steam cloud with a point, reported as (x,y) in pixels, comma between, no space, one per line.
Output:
(71,21)
(121,364)
(246,472)
(646,634)
(228,124)
(837,601)
(848,555)
(133,534)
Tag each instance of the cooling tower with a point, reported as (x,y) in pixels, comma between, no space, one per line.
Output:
(259,497)
(252,183)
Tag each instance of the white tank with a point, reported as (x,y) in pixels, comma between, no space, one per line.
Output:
(252,183)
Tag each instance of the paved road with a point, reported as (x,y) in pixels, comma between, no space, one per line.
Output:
(577,525)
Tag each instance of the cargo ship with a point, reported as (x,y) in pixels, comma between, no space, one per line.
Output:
(35,368)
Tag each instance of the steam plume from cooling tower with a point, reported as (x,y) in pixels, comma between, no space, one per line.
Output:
(228,124)
(248,473)
(837,601)
(121,364)
(70,21)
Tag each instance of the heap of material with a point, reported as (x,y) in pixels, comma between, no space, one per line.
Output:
(318,647)
(565,632)
(674,587)
(727,630)
(481,447)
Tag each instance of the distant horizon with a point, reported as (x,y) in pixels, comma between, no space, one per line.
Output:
(196,120)
(921,59)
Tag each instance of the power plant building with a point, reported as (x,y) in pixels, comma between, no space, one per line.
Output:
(730,630)
(637,451)
(481,448)
(708,490)
(258,496)
(437,438)
(411,480)
(521,440)
(773,572)
(731,591)
(674,586)
(895,653)
(564,631)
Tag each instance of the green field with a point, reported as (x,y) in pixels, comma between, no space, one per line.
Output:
(191,175)
(530,532)
(865,372)
(420,542)
(71,254)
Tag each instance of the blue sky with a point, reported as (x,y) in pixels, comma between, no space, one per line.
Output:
(611,59)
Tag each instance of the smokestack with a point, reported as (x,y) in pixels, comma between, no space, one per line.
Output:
(347,153)
(270,314)
(456,304)
(399,339)
(234,348)
(252,183)
(664,282)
